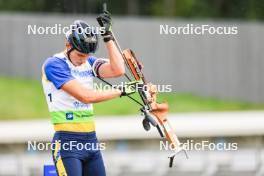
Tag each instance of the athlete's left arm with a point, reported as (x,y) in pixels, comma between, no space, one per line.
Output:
(115,67)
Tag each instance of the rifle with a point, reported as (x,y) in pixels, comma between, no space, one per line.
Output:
(154,113)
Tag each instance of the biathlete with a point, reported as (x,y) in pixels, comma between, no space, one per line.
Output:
(67,79)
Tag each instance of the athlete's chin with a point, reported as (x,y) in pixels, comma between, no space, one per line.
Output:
(78,63)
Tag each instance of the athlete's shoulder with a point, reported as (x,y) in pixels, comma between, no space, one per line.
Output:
(55,60)
(91,60)
(57,70)
(56,63)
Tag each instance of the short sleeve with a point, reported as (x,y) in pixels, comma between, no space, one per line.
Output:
(57,71)
(91,60)
(96,64)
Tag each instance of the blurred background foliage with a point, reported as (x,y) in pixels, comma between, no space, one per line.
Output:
(233,9)
(25,100)
(27,96)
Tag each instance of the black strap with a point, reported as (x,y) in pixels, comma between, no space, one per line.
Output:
(108,83)
(68,53)
(171,160)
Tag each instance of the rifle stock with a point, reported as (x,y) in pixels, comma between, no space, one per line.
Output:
(159,110)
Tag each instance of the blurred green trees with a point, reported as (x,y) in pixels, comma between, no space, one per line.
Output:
(238,9)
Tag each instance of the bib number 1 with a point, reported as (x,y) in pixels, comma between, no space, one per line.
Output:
(50,97)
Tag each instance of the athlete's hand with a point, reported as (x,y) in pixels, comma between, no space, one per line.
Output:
(105,21)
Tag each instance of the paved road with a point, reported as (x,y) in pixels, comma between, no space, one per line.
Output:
(202,124)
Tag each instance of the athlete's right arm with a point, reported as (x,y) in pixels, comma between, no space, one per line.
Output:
(75,89)
(58,72)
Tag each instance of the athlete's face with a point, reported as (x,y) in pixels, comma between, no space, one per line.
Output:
(77,58)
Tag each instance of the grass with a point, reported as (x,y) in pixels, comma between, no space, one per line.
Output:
(24,99)
(178,102)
